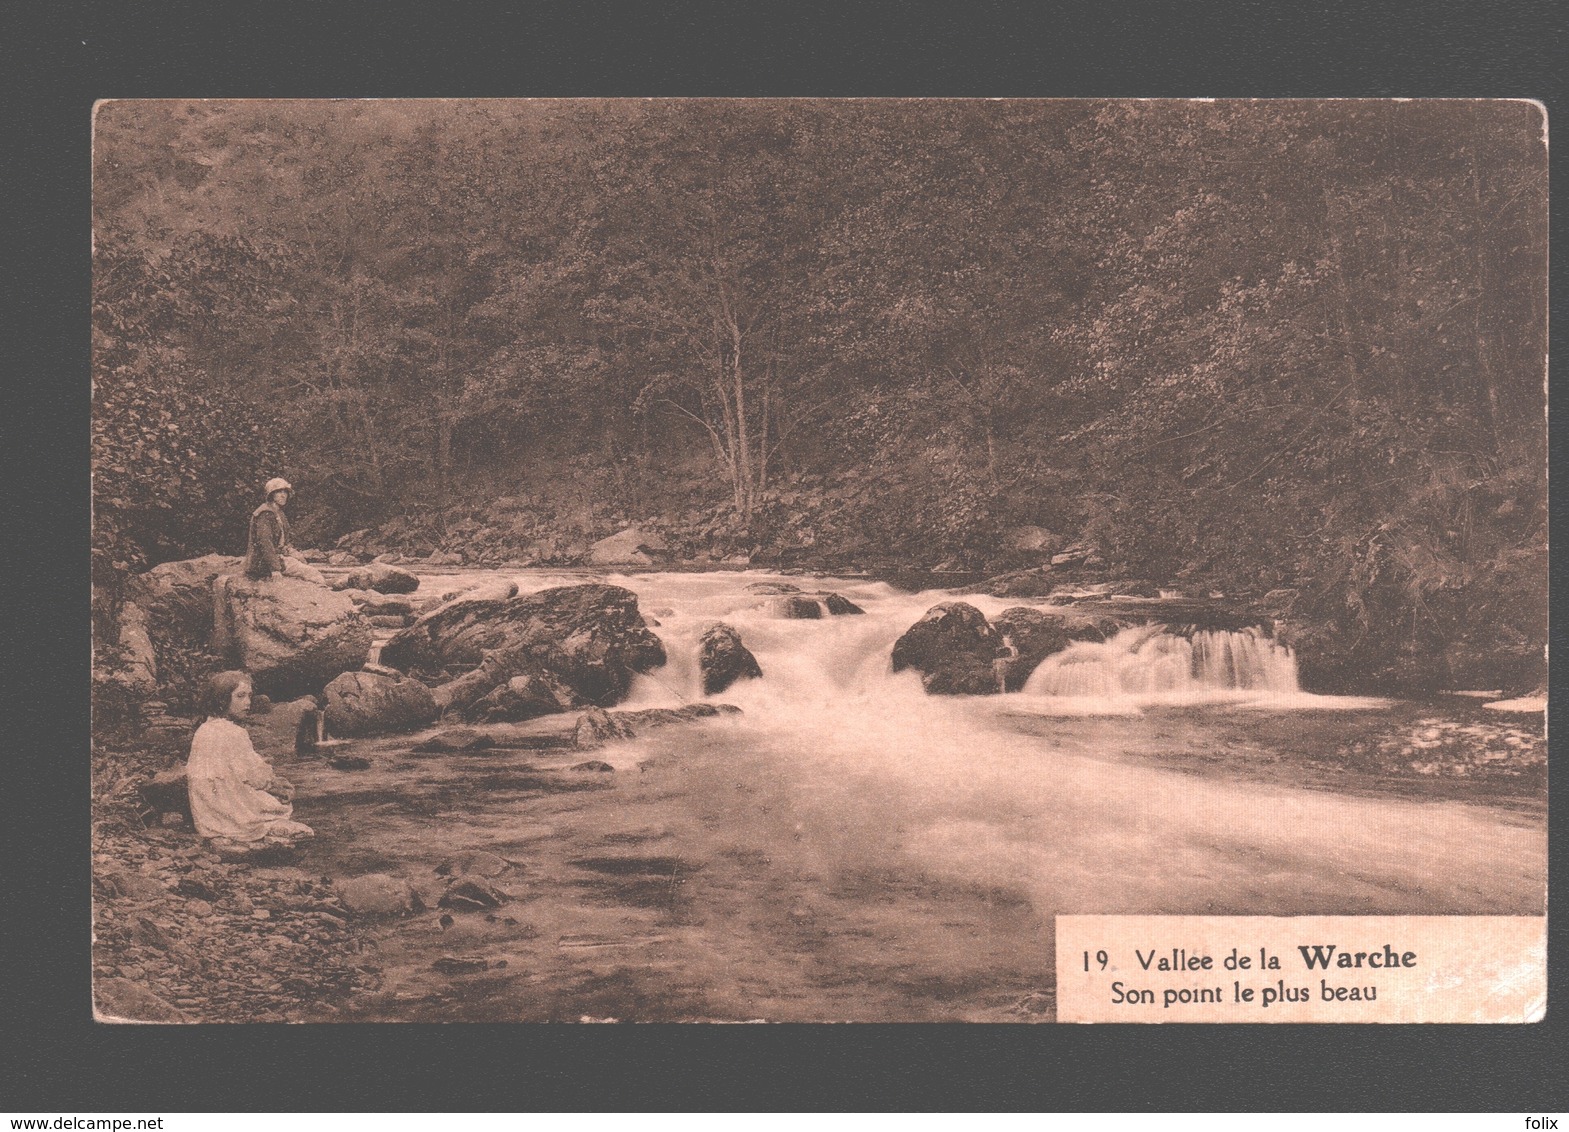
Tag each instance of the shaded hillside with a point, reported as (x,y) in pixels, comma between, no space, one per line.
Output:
(1289,348)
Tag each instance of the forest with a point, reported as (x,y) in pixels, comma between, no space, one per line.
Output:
(1291,351)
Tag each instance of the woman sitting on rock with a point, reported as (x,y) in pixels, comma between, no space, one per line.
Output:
(237,801)
(269,546)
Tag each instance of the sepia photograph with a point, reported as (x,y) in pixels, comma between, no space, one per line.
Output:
(806,560)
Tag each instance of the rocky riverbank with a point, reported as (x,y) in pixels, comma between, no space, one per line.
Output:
(692,876)
(181,935)
(523,861)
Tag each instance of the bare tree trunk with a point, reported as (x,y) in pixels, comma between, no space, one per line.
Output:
(991,449)
(371,448)
(443,458)
(726,444)
(443,453)
(762,438)
(743,439)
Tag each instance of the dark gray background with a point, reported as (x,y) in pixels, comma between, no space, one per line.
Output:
(59,58)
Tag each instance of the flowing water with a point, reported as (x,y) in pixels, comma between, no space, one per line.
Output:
(849,847)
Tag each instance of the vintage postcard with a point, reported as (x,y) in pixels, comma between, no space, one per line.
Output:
(819,560)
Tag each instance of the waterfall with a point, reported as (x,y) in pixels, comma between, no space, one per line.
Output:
(831,664)
(1153,659)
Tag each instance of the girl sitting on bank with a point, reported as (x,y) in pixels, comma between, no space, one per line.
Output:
(236,798)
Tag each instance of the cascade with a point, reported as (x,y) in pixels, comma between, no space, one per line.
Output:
(814,664)
(1153,659)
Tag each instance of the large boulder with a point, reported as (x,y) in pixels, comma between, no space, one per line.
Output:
(523,697)
(952,646)
(366,703)
(275,729)
(1036,635)
(796,607)
(290,635)
(136,669)
(178,596)
(723,659)
(839,605)
(631,547)
(379,576)
(378,894)
(592,637)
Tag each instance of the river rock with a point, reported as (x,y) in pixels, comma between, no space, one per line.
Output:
(378,894)
(137,667)
(382,577)
(771,589)
(796,607)
(1035,582)
(596,727)
(178,596)
(523,697)
(364,703)
(591,637)
(121,1000)
(646,719)
(840,606)
(723,659)
(275,732)
(116,881)
(952,646)
(165,792)
(342,558)
(382,605)
(474,862)
(484,591)
(1036,635)
(290,635)
(457,694)
(631,547)
(455,739)
(471,894)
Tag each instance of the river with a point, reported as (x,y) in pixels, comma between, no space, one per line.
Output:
(848,847)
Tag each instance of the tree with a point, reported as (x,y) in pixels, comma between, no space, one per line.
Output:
(705,225)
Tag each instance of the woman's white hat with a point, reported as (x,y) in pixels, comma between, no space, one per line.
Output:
(277,483)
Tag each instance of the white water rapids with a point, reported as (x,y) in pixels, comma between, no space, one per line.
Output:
(1058,791)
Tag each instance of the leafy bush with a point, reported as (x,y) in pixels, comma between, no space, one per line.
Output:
(175,469)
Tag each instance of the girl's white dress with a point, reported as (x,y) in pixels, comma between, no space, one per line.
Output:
(226,779)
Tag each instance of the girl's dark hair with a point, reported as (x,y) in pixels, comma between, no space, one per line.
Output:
(219,691)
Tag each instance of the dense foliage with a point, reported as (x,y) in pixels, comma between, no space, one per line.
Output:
(1291,348)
